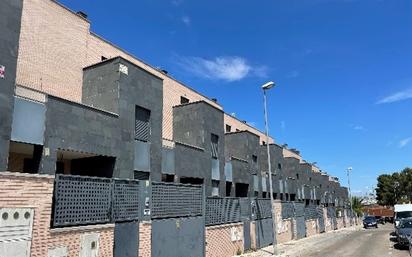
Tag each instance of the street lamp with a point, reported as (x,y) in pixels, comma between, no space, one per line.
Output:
(266,87)
(348,170)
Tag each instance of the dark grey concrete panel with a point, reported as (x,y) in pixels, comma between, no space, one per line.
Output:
(228,171)
(10,21)
(126,239)
(193,125)
(168,161)
(28,112)
(76,127)
(244,151)
(247,242)
(142,156)
(119,86)
(264,233)
(178,237)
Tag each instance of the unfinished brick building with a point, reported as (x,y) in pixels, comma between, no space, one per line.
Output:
(77,109)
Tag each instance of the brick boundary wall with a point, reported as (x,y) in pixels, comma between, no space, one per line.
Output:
(36,191)
(145,239)
(312,227)
(219,241)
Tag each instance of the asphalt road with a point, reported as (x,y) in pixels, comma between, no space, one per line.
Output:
(349,243)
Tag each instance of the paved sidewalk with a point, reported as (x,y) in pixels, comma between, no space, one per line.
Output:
(296,247)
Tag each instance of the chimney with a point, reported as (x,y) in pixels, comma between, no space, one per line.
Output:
(82,14)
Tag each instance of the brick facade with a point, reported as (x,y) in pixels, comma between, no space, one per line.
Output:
(35,191)
(219,241)
(56,44)
(312,227)
(284,226)
(145,239)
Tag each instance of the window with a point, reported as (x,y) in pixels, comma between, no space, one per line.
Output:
(263,143)
(228,128)
(103,58)
(214,145)
(279,166)
(264,195)
(254,159)
(228,189)
(141,175)
(184,100)
(142,124)
(292,197)
(168,178)
(297,176)
(215,188)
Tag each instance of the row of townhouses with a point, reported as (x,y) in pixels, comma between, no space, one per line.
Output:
(73,104)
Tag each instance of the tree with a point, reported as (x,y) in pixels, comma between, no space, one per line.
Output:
(395,188)
(357,205)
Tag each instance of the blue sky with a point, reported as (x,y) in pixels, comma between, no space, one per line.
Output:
(343,69)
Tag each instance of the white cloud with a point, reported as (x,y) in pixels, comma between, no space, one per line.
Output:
(404,142)
(396,97)
(229,68)
(186,20)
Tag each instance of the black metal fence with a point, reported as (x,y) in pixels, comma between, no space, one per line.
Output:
(170,200)
(80,200)
(263,209)
(311,212)
(222,210)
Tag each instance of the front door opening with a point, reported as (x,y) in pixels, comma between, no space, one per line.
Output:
(84,164)
(241,190)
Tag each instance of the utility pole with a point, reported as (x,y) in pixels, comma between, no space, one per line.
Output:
(265,87)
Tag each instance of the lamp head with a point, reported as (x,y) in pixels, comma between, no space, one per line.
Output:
(349,168)
(268,85)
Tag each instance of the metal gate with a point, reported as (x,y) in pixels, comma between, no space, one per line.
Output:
(264,227)
(331,214)
(178,221)
(321,220)
(82,200)
(245,216)
(126,239)
(300,220)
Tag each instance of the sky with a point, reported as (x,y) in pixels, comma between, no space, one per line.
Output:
(343,69)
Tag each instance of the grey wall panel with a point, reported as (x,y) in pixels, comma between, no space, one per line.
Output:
(142,156)
(126,239)
(136,87)
(178,237)
(300,227)
(247,242)
(264,233)
(10,20)
(228,171)
(168,161)
(72,126)
(28,121)
(215,169)
(193,125)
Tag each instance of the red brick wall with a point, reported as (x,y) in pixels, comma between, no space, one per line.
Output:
(219,241)
(35,191)
(145,239)
(312,227)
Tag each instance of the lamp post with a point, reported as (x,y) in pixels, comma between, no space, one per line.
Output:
(348,170)
(266,87)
